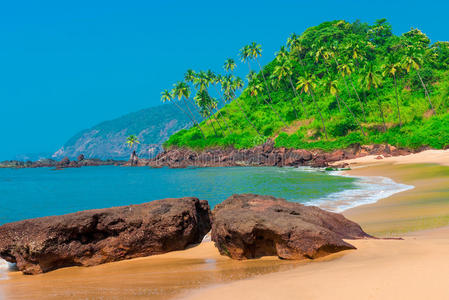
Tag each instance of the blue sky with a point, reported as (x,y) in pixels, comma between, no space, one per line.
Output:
(68,65)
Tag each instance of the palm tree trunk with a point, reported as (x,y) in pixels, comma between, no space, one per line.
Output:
(381,111)
(193,117)
(427,93)
(211,123)
(219,125)
(269,95)
(296,95)
(219,112)
(338,103)
(188,115)
(360,100)
(319,111)
(195,106)
(246,117)
(355,119)
(397,100)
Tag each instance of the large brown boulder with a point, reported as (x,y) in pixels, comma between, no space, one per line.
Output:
(250,226)
(98,236)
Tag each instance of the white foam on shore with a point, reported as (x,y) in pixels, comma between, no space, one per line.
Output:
(5,267)
(368,189)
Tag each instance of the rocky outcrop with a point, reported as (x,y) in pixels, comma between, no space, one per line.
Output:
(98,236)
(251,226)
(266,155)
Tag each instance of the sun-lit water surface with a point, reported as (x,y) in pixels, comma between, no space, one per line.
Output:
(30,193)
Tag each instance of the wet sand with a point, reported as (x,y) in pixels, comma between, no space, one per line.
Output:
(415,268)
(379,269)
(155,277)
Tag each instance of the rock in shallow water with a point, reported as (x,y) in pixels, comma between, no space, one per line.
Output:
(98,236)
(250,226)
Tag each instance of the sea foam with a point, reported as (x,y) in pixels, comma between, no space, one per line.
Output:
(367,189)
(4,268)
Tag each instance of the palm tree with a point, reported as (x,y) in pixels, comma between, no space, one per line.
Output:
(307,84)
(229,86)
(181,90)
(132,140)
(217,80)
(296,48)
(191,76)
(244,55)
(392,69)
(211,78)
(167,96)
(254,51)
(332,87)
(229,65)
(372,79)
(206,104)
(284,70)
(414,61)
(346,70)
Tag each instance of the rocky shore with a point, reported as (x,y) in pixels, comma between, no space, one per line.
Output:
(263,155)
(98,236)
(243,227)
(81,161)
(266,155)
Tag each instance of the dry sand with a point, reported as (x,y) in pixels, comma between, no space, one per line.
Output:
(413,268)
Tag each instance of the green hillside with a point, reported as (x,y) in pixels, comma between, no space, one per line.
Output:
(336,84)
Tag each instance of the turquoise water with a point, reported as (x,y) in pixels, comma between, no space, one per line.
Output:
(30,193)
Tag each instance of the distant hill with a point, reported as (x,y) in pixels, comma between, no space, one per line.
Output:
(153,126)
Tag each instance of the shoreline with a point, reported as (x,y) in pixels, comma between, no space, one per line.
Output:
(201,273)
(413,268)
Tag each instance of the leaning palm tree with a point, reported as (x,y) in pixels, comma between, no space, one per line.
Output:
(306,84)
(332,87)
(284,70)
(181,90)
(212,79)
(255,51)
(167,96)
(392,69)
(229,87)
(206,105)
(296,48)
(346,70)
(373,80)
(413,61)
(244,56)
(191,77)
(217,80)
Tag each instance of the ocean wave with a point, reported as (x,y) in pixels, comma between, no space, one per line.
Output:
(367,189)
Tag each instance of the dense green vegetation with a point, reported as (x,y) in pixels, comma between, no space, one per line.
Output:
(336,84)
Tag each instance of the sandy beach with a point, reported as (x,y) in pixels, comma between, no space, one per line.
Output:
(412,268)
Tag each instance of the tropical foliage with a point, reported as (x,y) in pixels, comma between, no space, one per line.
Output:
(336,84)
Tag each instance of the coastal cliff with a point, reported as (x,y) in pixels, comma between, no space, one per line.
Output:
(152,126)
